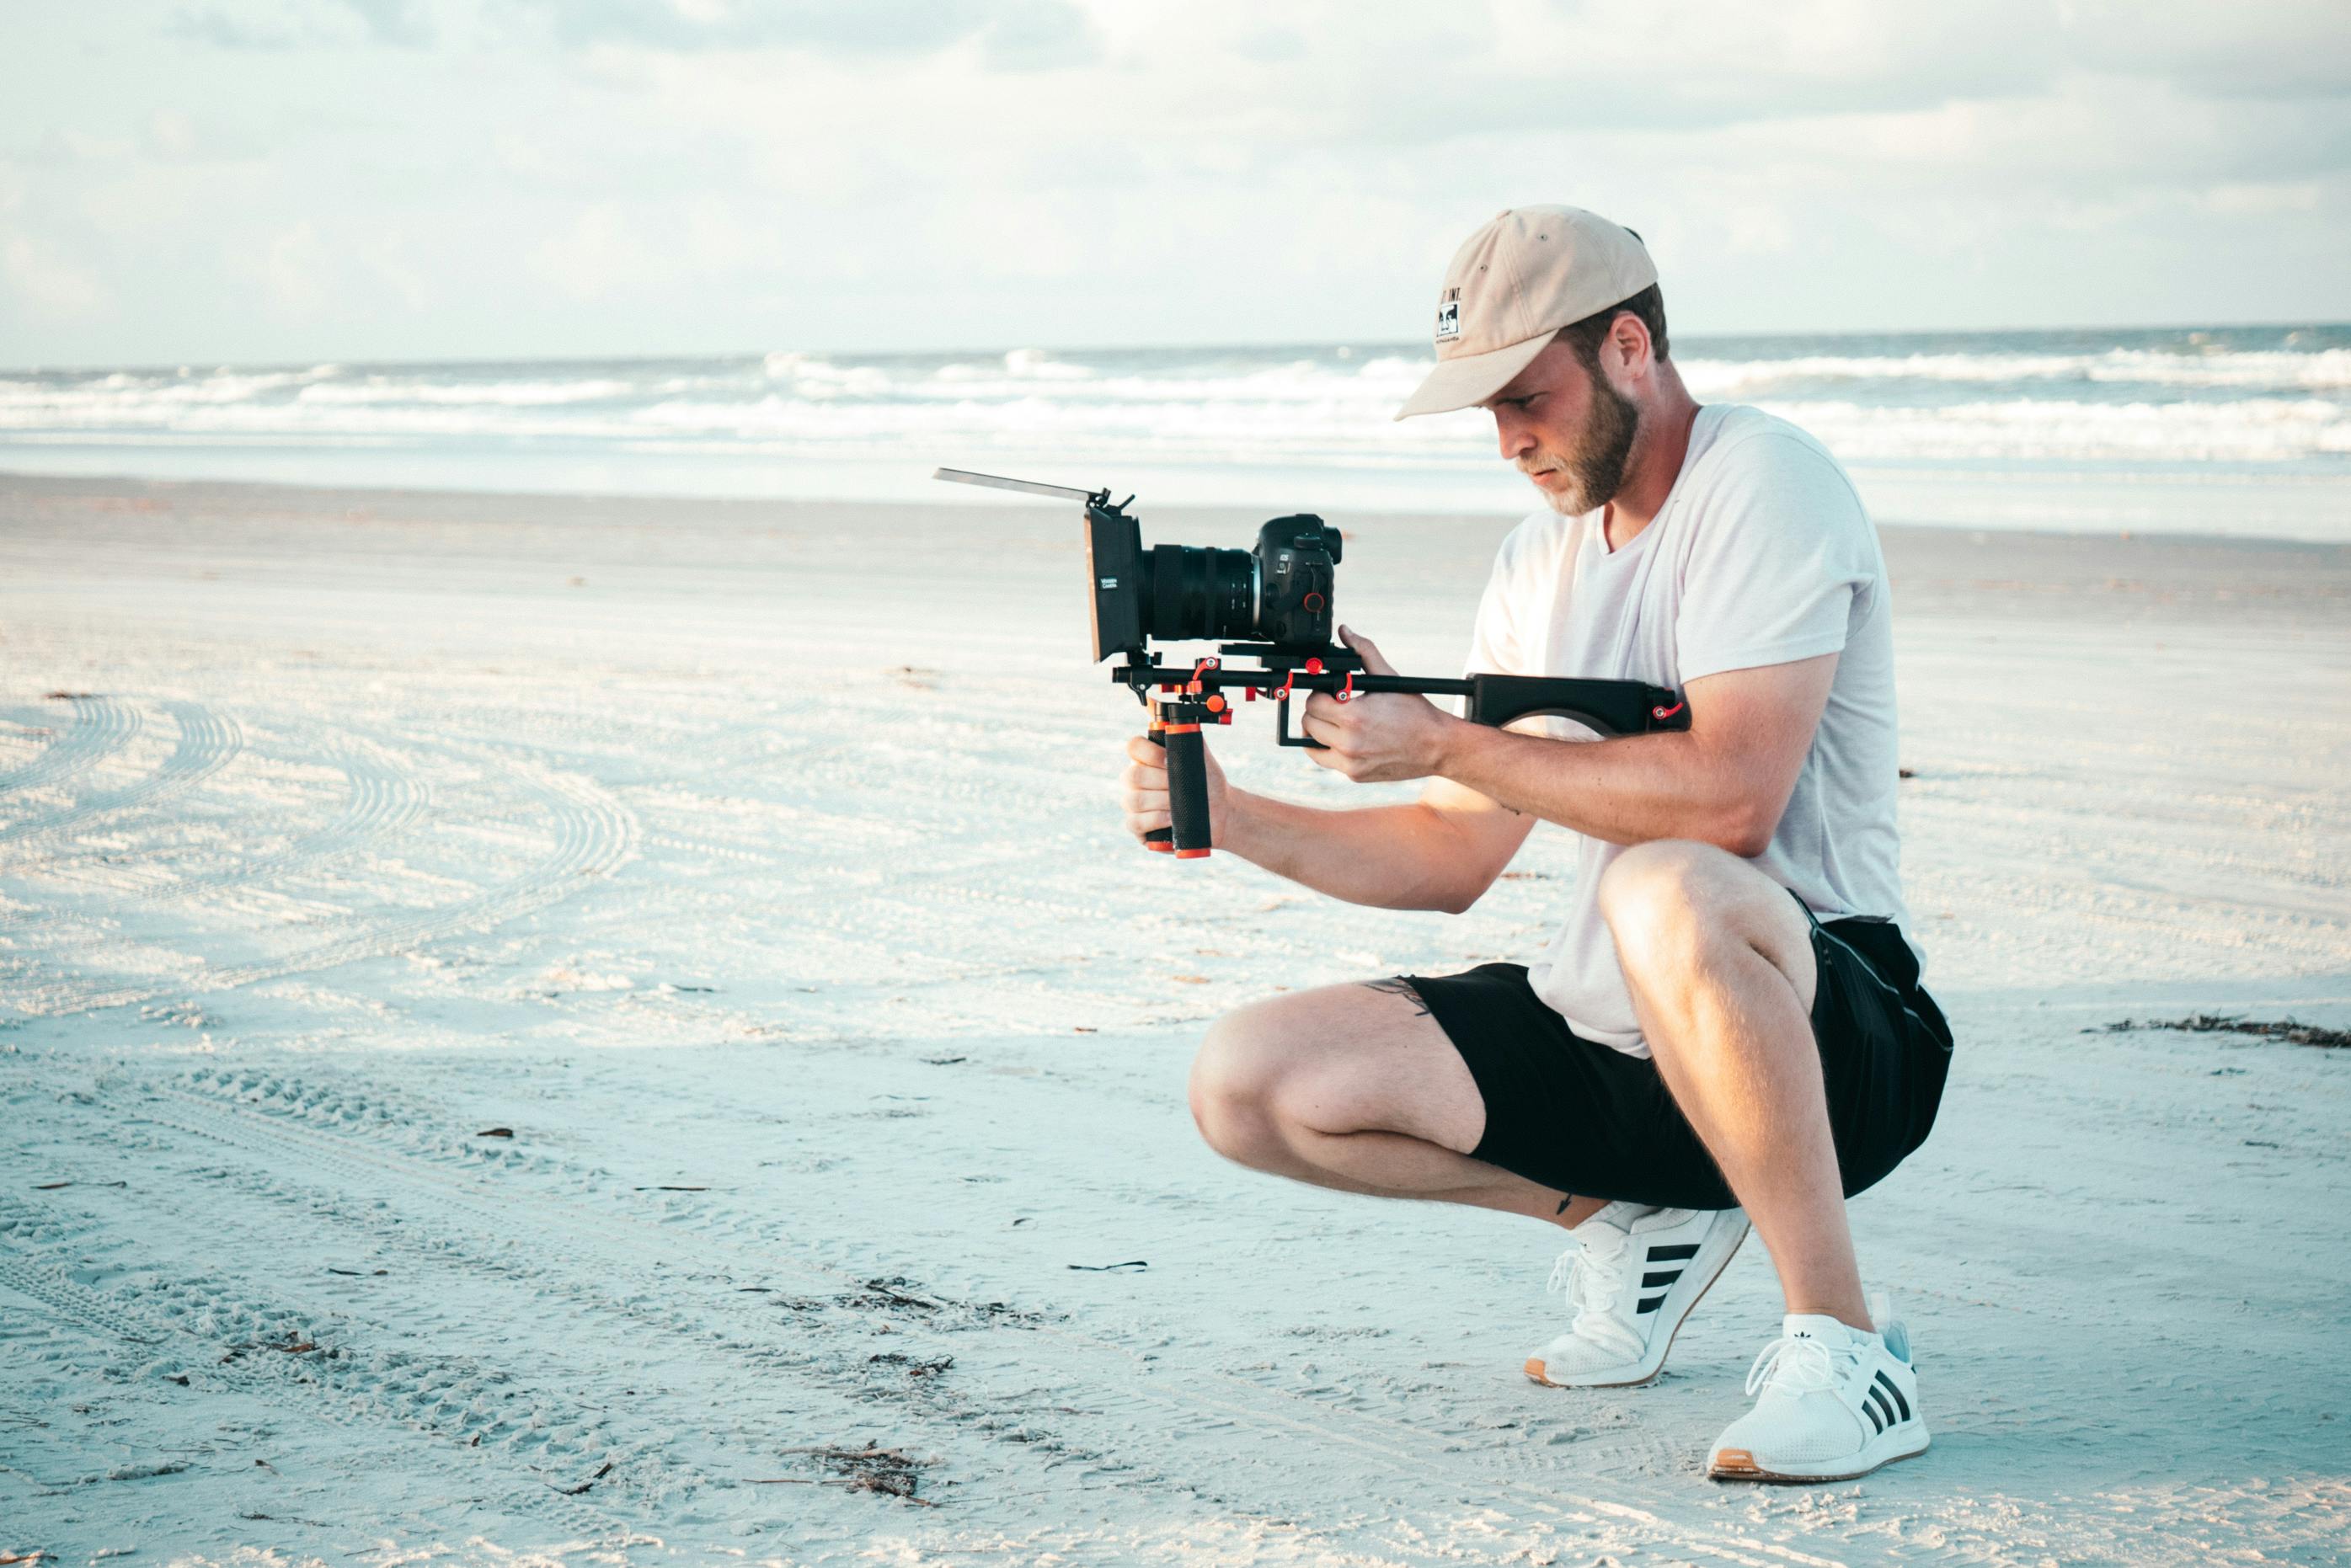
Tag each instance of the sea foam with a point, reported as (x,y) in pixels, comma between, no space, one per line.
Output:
(1224,423)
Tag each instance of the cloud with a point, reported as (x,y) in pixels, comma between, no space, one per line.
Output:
(2288,47)
(1016,35)
(412,177)
(218,29)
(606,251)
(46,280)
(405,24)
(297,268)
(1035,34)
(2260,198)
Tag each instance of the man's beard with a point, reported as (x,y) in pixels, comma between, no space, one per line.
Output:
(1595,465)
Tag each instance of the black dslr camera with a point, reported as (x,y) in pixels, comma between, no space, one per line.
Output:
(1277,593)
(1274,605)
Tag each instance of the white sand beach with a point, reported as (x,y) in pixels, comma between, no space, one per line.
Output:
(538,1030)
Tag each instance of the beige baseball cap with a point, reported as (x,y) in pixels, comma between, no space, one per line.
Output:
(1518,280)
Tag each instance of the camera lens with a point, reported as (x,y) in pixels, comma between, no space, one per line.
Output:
(1200,594)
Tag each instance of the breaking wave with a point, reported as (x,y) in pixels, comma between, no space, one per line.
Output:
(2274,400)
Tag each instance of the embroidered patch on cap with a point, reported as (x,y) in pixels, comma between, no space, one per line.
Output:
(1449,316)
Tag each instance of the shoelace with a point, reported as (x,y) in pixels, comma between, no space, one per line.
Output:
(1591,1279)
(1793,1364)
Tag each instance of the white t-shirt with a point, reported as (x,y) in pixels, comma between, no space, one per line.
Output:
(1761,554)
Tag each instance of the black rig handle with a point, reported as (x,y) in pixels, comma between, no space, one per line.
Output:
(1188,782)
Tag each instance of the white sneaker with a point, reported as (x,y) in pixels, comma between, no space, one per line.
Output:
(1633,1276)
(1832,1403)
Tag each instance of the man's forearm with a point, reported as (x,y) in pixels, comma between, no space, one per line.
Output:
(1724,780)
(1388,856)
(1630,790)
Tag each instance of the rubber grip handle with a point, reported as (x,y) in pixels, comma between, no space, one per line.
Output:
(1187,789)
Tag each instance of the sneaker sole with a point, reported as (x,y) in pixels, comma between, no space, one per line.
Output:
(1534,1367)
(1738,1464)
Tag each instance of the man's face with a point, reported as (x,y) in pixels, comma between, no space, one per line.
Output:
(1567,429)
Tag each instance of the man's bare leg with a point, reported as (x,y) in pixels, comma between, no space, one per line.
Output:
(1720,963)
(1355,1087)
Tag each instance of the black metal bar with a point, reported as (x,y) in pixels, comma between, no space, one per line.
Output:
(1610,707)
(1270,680)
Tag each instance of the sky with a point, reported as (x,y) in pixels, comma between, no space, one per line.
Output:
(297,181)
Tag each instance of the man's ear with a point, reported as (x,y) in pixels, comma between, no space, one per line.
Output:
(1627,345)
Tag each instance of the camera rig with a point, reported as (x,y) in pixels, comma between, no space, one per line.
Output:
(1274,603)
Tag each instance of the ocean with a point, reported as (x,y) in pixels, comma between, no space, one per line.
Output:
(2241,430)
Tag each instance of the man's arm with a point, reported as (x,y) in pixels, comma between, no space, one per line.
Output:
(1724,780)
(1440,853)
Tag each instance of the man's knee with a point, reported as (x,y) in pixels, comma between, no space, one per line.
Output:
(1670,903)
(1233,1082)
(1660,901)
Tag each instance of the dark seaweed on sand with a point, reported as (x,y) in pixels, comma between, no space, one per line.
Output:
(2285,1029)
(886,1471)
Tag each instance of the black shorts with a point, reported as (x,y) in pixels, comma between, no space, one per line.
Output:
(1588,1119)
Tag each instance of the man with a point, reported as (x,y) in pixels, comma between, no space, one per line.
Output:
(1729,1025)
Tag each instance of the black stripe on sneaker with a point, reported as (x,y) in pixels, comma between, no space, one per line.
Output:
(1899,1403)
(1870,1410)
(1683,1250)
(1883,1406)
(1651,1281)
(1650,1303)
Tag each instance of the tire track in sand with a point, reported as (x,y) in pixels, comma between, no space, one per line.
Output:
(356,1389)
(383,797)
(102,726)
(594,834)
(640,1256)
(774,1396)
(208,739)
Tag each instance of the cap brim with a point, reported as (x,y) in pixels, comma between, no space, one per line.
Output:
(1471,379)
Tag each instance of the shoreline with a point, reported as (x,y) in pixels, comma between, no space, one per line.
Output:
(2291,502)
(33,479)
(1937,569)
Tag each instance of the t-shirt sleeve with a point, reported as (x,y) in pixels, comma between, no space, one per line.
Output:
(1779,562)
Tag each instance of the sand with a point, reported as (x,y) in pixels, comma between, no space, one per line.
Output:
(534,1030)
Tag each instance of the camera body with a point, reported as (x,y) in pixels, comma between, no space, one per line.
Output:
(1278,593)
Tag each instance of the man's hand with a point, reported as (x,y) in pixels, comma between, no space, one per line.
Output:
(1377,738)
(1143,790)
